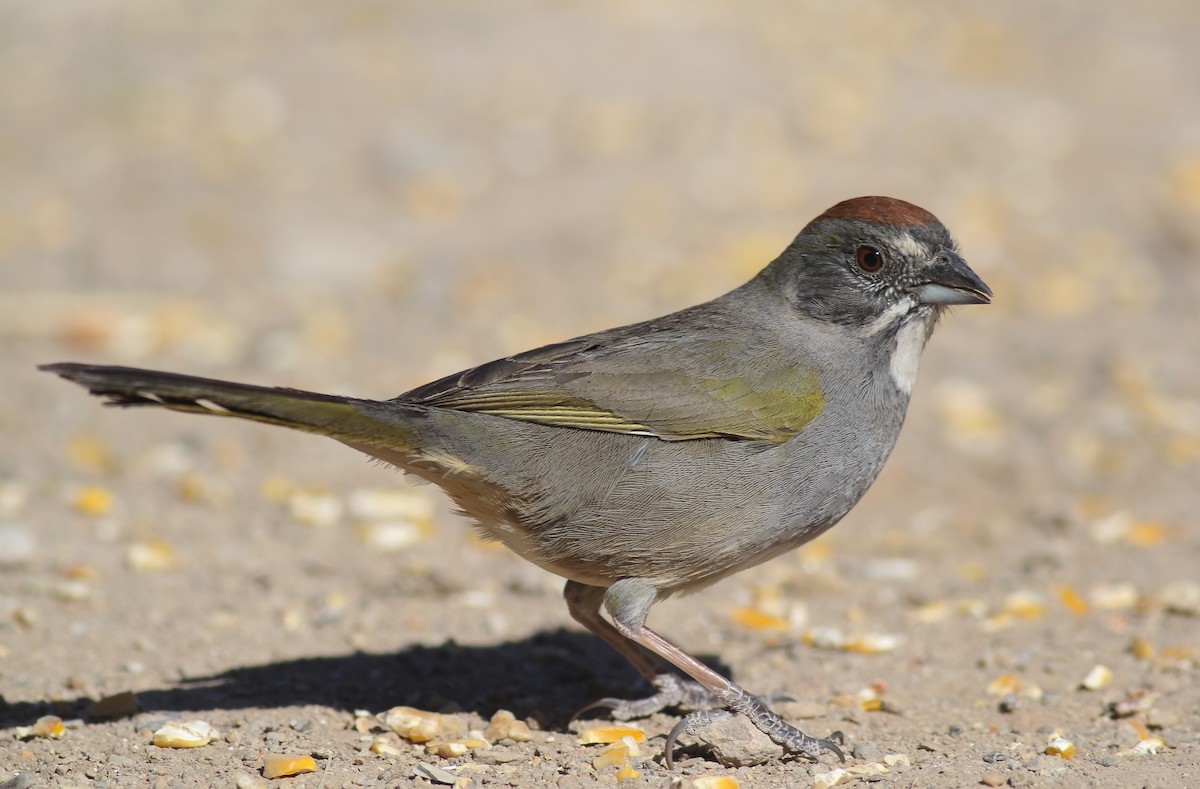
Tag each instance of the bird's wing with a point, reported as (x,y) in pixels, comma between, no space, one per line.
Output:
(666,378)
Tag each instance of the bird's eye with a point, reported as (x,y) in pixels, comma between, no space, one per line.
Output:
(870,259)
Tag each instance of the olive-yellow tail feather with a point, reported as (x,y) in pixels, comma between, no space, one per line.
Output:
(348,419)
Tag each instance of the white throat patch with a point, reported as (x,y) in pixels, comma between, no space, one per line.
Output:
(889,316)
(906,356)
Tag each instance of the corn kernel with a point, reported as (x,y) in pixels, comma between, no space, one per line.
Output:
(1072,601)
(758,620)
(603,735)
(628,773)
(190,734)
(1141,649)
(49,727)
(94,500)
(1061,747)
(1099,677)
(281,766)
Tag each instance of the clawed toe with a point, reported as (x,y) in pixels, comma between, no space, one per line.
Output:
(692,723)
(605,703)
(831,744)
(675,692)
(789,737)
(671,691)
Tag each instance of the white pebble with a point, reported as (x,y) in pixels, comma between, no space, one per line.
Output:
(17,545)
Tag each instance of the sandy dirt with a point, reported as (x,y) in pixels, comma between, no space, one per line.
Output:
(360,197)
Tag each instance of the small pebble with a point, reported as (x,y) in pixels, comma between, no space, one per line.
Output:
(21,781)
(150,556)
(1099,677)
(243,780)
(315,509)
(390,536)
(505,726)
(400,504)
(435,774)
(385,747)
(867,751)
(420,726)
(1037,764)
(993,779)
(1149,746)
(17,546)
(498,757)
(735,742)
(365,722)
(13,495)
(1115,597)
(1137,701)
(1181,598)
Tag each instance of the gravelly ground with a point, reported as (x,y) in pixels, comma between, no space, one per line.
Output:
(363,196)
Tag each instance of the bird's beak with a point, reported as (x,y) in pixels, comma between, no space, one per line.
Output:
(951,281)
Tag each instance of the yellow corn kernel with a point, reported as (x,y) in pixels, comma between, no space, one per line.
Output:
(1061,747)
(1141,649)
(49,726)
(604,735)
(281,765)
(754,619)
(94,500)
(1072,601)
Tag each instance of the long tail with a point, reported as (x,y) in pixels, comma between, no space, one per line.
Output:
(361,423)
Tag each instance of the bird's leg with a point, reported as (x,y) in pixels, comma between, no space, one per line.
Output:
(628,602)
(670,690)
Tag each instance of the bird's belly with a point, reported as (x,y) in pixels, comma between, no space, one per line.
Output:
(683,514)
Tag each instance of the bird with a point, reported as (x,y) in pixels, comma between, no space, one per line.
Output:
(657,458)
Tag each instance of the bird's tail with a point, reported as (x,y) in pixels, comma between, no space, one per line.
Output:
(361,423)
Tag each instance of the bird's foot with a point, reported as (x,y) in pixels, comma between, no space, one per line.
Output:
(692,723)
(765,720)
(670,691)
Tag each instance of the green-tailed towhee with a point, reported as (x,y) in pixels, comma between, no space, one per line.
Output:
(663,456)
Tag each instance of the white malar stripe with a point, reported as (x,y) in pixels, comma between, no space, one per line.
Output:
(906,357)
(889,316)
(204,402)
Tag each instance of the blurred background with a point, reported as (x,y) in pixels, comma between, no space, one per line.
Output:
(361,196)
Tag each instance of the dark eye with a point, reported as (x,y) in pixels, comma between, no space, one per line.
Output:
(870,259)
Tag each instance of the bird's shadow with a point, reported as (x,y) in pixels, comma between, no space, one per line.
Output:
(545,677)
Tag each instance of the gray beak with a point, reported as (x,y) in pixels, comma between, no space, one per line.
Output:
(951,281)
